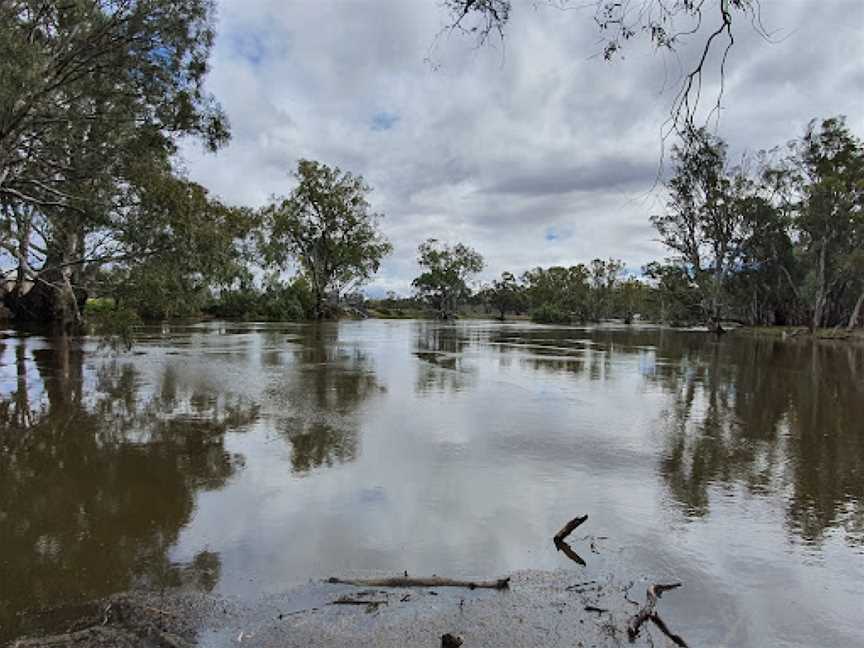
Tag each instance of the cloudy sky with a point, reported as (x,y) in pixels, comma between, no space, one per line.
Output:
(534,151)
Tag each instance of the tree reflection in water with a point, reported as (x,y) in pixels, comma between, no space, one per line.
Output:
(98,476)
(443,367)
(775,417)
(322,399)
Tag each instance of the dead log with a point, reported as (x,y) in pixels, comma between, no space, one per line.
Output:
(434,581)
(648,612)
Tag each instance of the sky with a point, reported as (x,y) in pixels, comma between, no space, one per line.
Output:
(533,150)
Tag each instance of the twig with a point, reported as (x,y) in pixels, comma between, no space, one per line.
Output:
(648,612)
(347,600)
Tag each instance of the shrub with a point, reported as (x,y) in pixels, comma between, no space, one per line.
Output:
(549,314)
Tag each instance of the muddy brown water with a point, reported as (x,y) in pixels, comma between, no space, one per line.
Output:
(246,459)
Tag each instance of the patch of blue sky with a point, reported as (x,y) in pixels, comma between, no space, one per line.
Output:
(382,121)
(249,46)
(554,234)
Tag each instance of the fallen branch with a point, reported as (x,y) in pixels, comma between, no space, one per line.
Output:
(648,612)
(566,530)
(434,581)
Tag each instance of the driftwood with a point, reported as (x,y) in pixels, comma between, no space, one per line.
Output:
(434,581)
(648,612)
(566,530)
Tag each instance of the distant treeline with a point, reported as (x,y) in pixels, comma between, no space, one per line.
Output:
(777,239)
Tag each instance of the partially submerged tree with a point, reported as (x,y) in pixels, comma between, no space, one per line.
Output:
(827,170)
(504,295)
(780,244)
(605,277)
(180,245)
(327,225)
(704,221)
(444,282)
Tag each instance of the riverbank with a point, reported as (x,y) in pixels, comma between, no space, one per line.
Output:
(802,332)
(561,608)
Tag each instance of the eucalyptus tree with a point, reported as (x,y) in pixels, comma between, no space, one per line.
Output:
(443,284)
(326,224)
(827,172)
(605,276)
(704,224)
(505,295)
(563,289)
(94,95)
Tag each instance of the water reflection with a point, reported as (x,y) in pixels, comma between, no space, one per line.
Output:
(773,418)
(321,398)
(443,366)
(485,439)
(97,475)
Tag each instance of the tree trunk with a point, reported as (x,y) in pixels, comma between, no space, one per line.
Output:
(53,298)
(819,306)
(856,312)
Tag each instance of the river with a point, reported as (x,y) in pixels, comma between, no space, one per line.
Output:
(242,459)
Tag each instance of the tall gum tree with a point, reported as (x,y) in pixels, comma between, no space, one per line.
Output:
(93,97)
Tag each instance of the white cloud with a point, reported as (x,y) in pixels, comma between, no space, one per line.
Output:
(497,146)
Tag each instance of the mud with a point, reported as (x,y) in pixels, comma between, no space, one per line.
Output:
(539,609)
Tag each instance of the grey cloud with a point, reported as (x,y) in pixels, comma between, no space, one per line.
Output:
(599,175)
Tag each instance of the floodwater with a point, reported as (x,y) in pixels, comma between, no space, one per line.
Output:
(244,459)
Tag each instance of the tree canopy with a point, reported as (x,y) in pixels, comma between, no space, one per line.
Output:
(443,284)
(93,98)
(328,226)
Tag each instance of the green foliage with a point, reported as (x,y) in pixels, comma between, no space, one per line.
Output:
(504,295)
(777,246)
(94,95)
(447,269)
(182,243)
(276,303)
(326,225)
(674,298)
(549,314)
